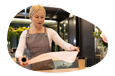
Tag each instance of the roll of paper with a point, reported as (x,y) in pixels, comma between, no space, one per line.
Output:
(67,56)
(24,59)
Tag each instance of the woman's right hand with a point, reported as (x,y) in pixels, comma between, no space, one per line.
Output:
(23,64)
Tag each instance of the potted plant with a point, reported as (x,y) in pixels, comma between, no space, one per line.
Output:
(102,40)
(19,30)
(9,35)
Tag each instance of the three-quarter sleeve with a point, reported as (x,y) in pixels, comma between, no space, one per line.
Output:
(59,41)
(21,45)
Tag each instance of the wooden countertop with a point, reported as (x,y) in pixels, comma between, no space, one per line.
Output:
(68,70)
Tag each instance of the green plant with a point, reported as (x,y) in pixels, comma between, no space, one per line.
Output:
(19,30)
(102,38)
(10,33)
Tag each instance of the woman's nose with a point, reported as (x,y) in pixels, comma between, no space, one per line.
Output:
(39,19)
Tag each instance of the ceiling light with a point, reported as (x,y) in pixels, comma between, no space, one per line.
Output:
(74,41)
(54,17)
(21,19)
(30,20)
(66,21)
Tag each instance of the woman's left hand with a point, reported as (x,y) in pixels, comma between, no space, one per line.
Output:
(74,48)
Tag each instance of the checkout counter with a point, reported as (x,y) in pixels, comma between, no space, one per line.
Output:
(8,64)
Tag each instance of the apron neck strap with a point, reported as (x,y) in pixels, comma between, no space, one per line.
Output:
(45,29)
(28,33)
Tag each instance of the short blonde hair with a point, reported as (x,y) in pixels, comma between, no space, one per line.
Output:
(34,8)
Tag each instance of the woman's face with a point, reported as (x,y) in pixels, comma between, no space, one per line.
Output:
(38,18)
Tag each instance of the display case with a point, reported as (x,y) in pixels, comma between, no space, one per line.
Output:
(66,31)
(63,31)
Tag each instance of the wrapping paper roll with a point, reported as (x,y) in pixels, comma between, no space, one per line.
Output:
(67,56)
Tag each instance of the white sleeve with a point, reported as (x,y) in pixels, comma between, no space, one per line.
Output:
(59,41)
(21,45)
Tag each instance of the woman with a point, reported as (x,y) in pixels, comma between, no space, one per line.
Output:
(38,40)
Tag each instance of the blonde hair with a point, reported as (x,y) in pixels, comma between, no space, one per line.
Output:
(33,9)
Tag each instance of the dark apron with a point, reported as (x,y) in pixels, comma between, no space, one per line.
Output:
(37,44)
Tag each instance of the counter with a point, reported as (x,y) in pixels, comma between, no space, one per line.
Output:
(67,70)
(59,64)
